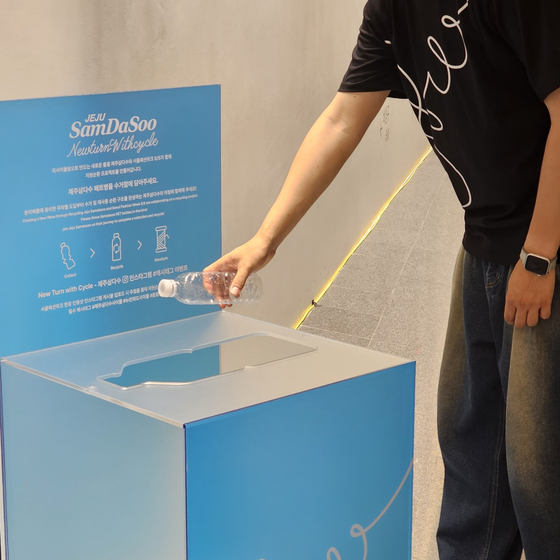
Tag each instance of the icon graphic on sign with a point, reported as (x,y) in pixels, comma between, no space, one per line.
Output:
(161,239)
(116,247)
(66,256)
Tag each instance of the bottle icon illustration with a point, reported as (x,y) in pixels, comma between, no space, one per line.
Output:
(116,247)
(161,239)
(67,259)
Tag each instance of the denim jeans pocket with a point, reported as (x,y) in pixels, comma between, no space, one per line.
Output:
(493,273)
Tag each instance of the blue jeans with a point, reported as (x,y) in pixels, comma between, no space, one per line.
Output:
(498,424)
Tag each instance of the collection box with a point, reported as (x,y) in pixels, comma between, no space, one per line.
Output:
(216,437)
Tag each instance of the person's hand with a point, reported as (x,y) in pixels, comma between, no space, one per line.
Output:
(529,297)
(243,260)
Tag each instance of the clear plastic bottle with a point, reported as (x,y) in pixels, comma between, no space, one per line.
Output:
(207,288)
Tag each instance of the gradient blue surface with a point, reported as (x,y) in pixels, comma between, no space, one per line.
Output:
(290,478)
(87,479)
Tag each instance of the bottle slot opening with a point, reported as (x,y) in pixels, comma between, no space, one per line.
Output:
(210,361)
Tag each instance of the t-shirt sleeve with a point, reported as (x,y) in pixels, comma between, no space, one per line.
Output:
(532,29)
(373,66)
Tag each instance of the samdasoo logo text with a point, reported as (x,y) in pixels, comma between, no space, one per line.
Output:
(112,126)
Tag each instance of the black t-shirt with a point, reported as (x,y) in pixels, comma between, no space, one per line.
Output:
(476,73)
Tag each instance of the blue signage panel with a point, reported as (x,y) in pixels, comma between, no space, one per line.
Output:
(102,196)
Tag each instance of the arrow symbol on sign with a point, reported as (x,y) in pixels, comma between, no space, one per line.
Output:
(92,252)
(139,244)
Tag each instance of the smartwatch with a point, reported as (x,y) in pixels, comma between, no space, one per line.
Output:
(536,264)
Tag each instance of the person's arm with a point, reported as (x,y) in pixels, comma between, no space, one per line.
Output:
(327,146)
(529,296)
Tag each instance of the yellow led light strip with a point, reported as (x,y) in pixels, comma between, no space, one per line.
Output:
(361,240)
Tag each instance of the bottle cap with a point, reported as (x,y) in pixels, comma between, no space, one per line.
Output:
(167,288)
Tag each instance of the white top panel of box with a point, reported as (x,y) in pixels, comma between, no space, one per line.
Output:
(197,368)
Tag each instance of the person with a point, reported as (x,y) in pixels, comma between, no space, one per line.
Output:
(483,78)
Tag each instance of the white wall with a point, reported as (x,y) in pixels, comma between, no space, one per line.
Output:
(279,63)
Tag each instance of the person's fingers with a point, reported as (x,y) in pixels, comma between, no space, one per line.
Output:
(520,318)
(528,297)
(223,264)
(240,262)
(207,283)
(220,289)
(509,313)
(546,311)
(239,281)
(532,317)
(213,282)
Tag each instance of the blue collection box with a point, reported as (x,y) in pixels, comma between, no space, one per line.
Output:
(215,437)
(139,429)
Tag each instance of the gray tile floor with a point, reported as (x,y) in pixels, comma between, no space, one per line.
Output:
(393,295)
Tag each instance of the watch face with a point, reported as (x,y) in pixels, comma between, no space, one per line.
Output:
(537,265)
